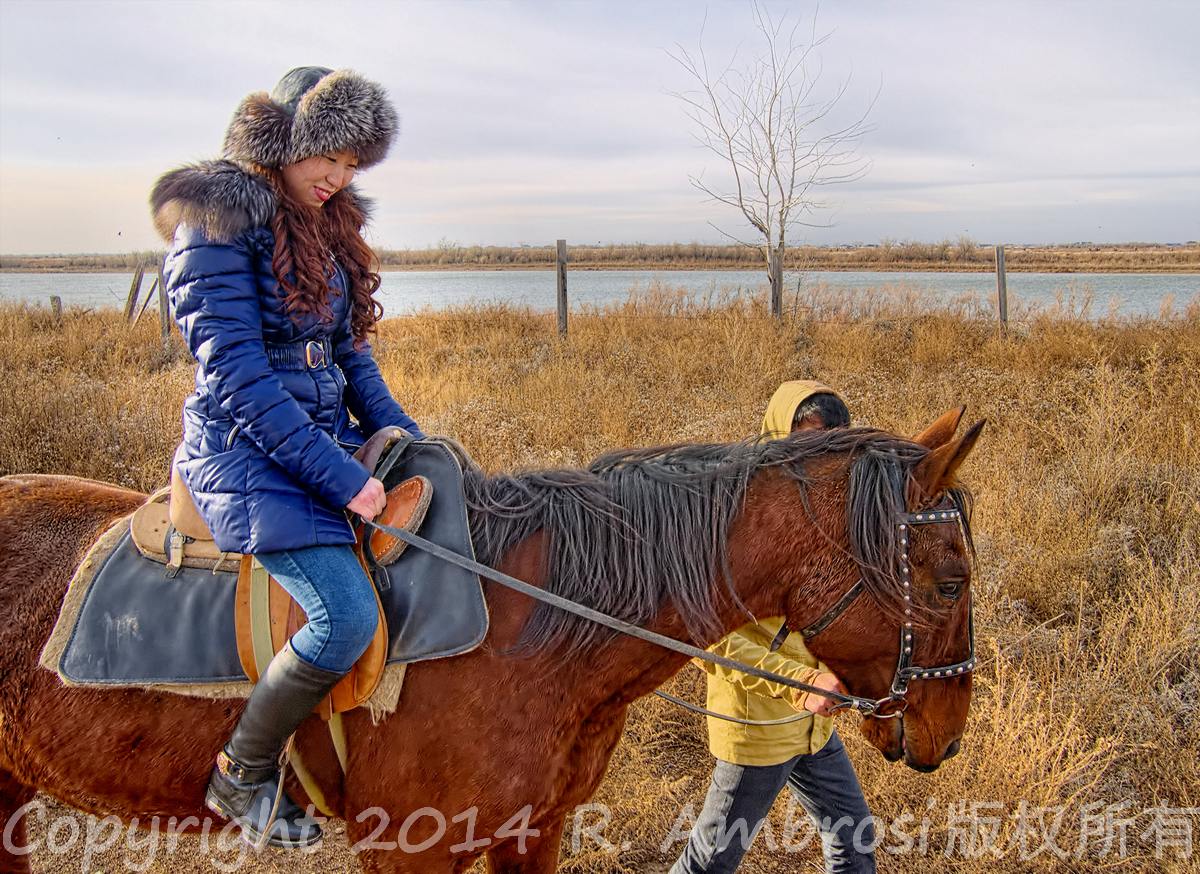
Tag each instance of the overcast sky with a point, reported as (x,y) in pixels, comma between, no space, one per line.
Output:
(525,122)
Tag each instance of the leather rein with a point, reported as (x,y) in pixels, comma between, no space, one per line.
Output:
(889,707)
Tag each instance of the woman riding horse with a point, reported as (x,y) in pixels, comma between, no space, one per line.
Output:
(503,743)
(272,285)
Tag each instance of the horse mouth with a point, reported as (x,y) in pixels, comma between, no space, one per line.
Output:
(892,744)
(922,767)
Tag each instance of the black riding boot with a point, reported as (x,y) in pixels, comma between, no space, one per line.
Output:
(245,782)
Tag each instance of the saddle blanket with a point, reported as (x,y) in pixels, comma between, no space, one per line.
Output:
(126,622)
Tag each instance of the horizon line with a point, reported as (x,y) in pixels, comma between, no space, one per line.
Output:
(550,245)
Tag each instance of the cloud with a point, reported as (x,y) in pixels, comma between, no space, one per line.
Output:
(528,121)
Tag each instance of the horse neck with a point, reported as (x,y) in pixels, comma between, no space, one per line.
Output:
(778,559)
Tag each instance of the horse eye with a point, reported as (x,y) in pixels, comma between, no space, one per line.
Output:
(950,588)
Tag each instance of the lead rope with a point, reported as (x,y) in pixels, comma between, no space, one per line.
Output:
(385,466)
(687,705)
(864,705)
(776,643)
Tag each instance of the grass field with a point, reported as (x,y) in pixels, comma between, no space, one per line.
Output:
(1088,521)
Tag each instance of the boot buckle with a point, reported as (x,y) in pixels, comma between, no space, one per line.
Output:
(230,768)
(235,771)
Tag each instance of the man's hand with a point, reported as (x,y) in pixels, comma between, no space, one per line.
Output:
(370,500)
(819,704)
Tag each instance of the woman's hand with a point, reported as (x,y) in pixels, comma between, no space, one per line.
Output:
(370,500)
(819,704)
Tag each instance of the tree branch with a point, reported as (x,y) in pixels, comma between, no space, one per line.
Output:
(763,120)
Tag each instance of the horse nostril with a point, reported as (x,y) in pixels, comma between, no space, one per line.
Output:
(952,750)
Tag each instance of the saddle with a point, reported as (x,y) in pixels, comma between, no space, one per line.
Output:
(130,619)
(169,529)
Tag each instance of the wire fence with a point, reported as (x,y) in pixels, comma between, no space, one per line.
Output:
(805,305)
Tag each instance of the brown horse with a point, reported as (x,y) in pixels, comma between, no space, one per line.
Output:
(489,752)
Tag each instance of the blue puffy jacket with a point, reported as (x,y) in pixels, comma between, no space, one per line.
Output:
(267,439)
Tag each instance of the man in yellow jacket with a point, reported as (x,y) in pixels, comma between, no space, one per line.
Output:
(754,762)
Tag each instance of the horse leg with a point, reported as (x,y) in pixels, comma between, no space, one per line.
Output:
(14,852)
(533,855)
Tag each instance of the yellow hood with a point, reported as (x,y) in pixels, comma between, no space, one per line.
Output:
(787,399)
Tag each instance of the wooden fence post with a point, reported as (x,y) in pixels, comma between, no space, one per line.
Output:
(56,310)
(1001,289)
(137,317)
(561,267)
(135,289)
(776,284)
(164,309)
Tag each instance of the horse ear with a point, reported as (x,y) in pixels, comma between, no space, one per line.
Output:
(941,431)
(937,470)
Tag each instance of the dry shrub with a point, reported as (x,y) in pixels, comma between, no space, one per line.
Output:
(961,254)
(1088,519)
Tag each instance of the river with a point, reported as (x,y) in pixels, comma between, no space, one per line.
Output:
(402,292)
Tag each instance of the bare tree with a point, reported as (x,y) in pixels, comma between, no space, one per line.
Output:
(767,123)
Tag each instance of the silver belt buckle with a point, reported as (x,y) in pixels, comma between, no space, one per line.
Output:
(314,354)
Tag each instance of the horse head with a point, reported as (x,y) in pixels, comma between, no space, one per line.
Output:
(906,641)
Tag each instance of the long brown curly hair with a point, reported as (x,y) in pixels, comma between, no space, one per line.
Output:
(304,240)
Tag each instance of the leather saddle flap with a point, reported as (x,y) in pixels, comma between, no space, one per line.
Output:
(434,609)
(260,597)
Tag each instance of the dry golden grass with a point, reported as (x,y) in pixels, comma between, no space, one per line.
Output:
(1088,521)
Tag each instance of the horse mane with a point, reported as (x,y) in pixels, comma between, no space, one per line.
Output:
(642,527)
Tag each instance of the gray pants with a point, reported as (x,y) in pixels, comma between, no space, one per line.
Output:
(740,796)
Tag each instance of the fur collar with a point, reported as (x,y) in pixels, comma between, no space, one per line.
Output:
(221,198)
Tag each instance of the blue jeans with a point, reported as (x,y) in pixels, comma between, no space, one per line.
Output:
(740,796)
(337,596)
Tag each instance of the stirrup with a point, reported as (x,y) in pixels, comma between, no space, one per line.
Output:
(265,835)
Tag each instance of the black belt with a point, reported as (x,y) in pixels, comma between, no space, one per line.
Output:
(301,355)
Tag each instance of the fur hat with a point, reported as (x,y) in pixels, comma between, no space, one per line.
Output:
(313,110)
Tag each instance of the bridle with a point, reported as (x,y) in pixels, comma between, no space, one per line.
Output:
(882,708)
(897,702)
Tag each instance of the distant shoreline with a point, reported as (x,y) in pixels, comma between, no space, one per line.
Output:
(963,256)
(525,268)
